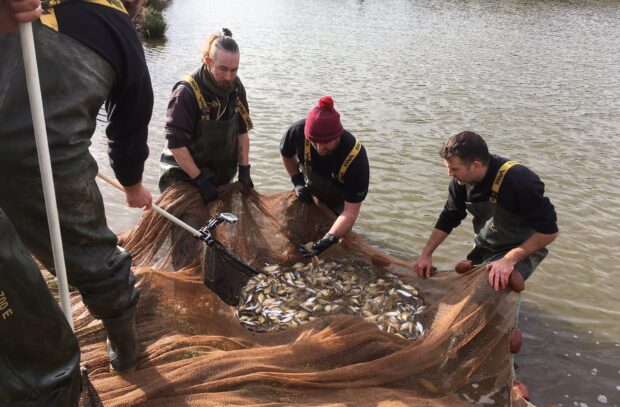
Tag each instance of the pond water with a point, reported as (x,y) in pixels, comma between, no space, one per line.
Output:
(538,79)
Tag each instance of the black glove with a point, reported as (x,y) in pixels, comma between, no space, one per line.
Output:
(318,247)
(244,178)
(206,188)
(300,188)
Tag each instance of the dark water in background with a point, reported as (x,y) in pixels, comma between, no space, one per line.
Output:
(540,80)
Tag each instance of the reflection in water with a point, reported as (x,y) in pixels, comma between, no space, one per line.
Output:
(538,80)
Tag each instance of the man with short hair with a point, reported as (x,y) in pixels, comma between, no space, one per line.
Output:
(328,162)
(513,220)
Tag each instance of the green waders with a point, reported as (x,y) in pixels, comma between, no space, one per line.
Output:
(497,232)
(75,81)
(215,150)
(39,355)
(326,192)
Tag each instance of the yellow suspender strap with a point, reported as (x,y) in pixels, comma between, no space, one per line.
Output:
(244,114)
(345,165)
(307,154)
(201,100)
(49,17)
(499,178)
(115,4)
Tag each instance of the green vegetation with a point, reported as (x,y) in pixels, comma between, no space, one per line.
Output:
(153,24)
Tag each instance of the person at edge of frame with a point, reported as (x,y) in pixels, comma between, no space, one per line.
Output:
(90,54)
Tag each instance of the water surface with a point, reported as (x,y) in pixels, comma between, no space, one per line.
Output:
(538,79)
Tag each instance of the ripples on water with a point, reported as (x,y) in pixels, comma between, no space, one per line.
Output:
(539,80)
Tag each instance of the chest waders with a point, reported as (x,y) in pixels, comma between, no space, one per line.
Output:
(329,194)
(498,230)
(75,82)
(214,145)
(39,356)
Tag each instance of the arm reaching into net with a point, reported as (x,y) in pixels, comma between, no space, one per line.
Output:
(424,264)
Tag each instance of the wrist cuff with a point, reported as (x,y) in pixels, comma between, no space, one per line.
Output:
(298,179)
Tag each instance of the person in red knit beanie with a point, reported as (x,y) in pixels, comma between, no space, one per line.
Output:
(327,162)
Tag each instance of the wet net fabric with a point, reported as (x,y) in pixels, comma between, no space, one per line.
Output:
(195,352)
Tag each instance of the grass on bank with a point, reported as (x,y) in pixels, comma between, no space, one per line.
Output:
(153,23)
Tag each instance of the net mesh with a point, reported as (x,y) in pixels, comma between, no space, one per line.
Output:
(194,351)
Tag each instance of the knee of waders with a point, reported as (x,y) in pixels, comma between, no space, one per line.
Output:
(112,290)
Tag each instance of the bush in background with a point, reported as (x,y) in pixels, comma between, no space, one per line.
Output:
(153,24)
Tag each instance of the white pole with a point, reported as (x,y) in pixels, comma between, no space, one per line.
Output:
(40,133)
(161,211)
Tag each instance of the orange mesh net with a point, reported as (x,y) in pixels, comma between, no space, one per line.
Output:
(194,351)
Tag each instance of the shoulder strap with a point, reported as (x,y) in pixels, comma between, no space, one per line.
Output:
(499,178)
(48,18)
(202,104)
(307,154)
(347,162)
(245,115)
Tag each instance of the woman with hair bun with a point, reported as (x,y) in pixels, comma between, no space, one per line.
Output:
(207,123)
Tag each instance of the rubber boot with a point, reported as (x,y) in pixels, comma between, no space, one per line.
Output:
(122,341)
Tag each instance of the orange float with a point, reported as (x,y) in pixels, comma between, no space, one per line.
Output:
(516,281)
(520,390)
(515,340)
(464,266)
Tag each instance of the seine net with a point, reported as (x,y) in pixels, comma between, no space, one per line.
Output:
(195,350)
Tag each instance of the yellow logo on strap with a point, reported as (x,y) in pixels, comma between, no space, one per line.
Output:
(499,178)
(202,104)
(307,155)
(345,165)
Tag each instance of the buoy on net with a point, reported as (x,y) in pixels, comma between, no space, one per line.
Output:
(464,266)
(520,390)
(516,281)
(515,340)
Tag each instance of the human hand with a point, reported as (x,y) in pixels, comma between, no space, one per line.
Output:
(205,187)
(301,191)
(319,246)
(244,178)
(424,266)
(499,272)
(13,12)
(137,196)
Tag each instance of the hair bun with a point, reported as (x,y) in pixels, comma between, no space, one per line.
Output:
(326,103)
(226,32)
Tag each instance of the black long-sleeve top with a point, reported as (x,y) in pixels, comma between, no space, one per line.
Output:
(112,35)
(521,192)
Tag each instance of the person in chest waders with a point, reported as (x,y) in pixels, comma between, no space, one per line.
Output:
(327,162)
(513,220)
(207,124)
(88,53)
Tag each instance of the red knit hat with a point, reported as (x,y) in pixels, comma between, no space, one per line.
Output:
(323,122)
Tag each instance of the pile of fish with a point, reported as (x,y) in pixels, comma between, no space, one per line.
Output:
(282,298)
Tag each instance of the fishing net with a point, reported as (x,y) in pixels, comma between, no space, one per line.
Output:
(195,349)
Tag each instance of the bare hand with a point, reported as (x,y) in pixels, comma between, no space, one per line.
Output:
(423,266)
(137,196)
(13,12)
(499,272)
